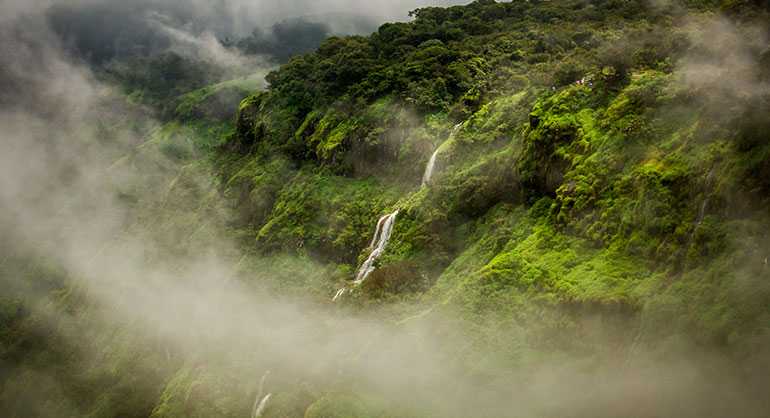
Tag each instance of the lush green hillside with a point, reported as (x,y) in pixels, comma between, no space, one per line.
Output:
(617,169)
(596,168)
(599,209)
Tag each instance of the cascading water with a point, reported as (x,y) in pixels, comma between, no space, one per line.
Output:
(702,212)
(339,294)
(429,169)
(260,403)
(377,231)
(381,237)
(379,242)
(385,227)
(426,177)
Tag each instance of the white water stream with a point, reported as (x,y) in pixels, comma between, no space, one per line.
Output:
(339,294)
(385,226)
(381,238)
(431,167)
(379,243)
(260,403)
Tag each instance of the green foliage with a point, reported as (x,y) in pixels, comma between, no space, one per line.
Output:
(340,406)
(198,392)
(217,102)
(324,214)
(156,80)
(255,187)
(445,60)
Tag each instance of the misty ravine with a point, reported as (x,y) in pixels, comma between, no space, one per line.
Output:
(520,209)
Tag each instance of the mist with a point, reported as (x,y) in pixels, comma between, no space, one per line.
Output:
(62,198)
(100,30)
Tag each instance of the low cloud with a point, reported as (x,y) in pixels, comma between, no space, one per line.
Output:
(724,59)
(205,46)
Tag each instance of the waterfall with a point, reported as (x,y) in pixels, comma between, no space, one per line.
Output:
(377,231)
(381,238)
(698,222)
(702,212)
(432,162)
(260,403)
(378,244)
(429,169)
(385,226)
(339,294)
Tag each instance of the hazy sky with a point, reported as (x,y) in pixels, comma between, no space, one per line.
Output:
(239,16)
(100,29)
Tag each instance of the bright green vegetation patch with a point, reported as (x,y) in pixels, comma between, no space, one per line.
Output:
(339,406)
(290,274)
(516,254)
(321,212)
